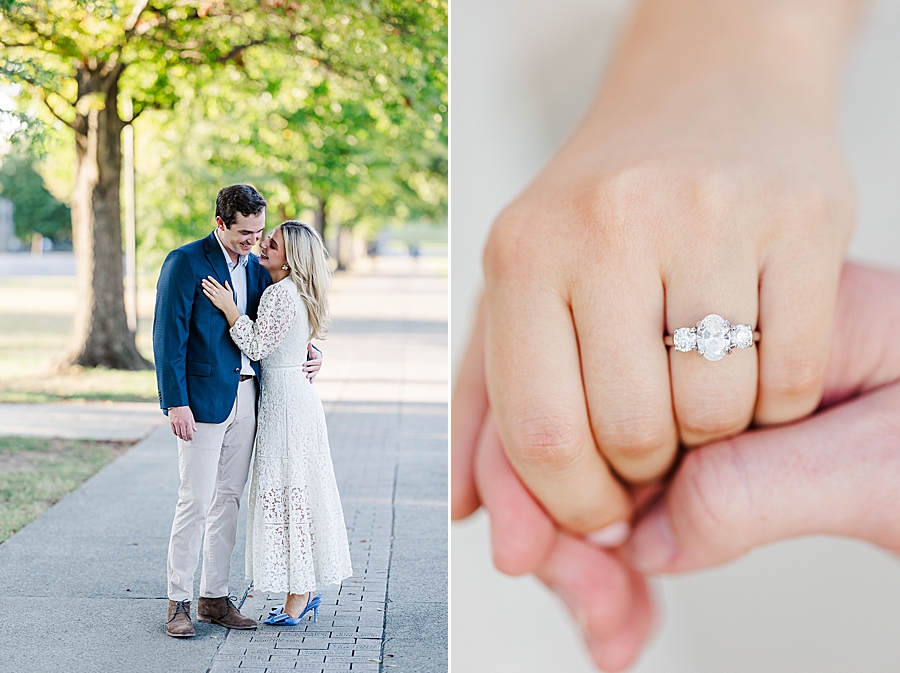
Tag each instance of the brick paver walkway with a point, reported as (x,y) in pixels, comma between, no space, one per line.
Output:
(369,426)
(82,588)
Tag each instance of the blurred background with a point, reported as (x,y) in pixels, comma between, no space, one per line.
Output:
(119,123)
(524,73)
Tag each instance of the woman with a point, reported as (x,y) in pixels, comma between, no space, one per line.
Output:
(296,538)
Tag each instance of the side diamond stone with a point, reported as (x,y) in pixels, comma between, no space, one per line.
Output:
(742,336)
(713,337)
(684,339)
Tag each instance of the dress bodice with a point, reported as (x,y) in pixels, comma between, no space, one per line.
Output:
(281,332)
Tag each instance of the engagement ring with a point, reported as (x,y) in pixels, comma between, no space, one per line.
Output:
(713,337)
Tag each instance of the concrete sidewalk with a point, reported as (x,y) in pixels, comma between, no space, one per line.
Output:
(82,588)
(128,421)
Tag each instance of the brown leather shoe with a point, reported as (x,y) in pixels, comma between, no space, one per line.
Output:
(179,624)
(221,611)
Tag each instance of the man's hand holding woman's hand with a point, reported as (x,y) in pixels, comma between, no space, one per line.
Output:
(706,179)
(834,473)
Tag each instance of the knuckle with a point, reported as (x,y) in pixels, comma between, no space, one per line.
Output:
(634,439)
(798,376)
(704,187)
(547,441)
(701,422)
(630,200)
(715,189)
(808,203)
(512,246)
(811,202)
(614,205)
(599,214)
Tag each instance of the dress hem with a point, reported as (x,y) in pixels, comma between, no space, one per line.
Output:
(281,589)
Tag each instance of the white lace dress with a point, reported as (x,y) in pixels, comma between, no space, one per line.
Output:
(296,537)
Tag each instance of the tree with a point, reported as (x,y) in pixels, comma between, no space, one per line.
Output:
(36,210)
(371,143)
(320,140)
(365,140)
(77,55)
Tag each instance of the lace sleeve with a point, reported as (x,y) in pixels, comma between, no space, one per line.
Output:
(277,311)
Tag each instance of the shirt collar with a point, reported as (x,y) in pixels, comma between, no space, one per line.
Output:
(242,259)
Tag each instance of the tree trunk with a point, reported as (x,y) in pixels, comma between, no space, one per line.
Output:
(100,335)
(344,248)
(319,219)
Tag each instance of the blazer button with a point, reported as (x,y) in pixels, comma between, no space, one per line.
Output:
(237,370)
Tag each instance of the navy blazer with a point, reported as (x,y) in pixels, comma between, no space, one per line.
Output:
(197,363)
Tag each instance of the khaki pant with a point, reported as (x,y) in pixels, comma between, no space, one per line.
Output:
(214,467)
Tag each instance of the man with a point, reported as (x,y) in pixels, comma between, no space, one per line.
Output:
(208,389)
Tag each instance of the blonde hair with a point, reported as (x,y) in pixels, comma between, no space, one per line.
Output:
(306,255)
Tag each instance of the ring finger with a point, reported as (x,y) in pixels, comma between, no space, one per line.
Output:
(714,394)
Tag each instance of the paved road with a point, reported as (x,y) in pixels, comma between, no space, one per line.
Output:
(82,588)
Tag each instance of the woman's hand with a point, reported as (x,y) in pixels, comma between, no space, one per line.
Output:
(313,362)
(222,298)
(706,179)
(835,472)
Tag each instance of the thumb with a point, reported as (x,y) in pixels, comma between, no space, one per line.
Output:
(470,408)
(835,473)
(522,534)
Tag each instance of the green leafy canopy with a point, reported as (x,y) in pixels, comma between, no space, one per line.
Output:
(338,101)
(36,210)
(91,67)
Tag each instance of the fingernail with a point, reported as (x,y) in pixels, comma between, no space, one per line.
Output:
(652,546)
(575,607)
(611,536)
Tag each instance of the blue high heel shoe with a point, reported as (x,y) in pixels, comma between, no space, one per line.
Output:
(278,609)
(278,616)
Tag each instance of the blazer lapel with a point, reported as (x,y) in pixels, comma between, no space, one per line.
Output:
(217,259)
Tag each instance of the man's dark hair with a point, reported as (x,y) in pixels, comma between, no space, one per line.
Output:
(235,199)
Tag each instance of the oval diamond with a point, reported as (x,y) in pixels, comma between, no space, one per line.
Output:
(713,337)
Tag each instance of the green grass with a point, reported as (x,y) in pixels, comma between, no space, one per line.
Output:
(35,473)
(93,384)
(35,323)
